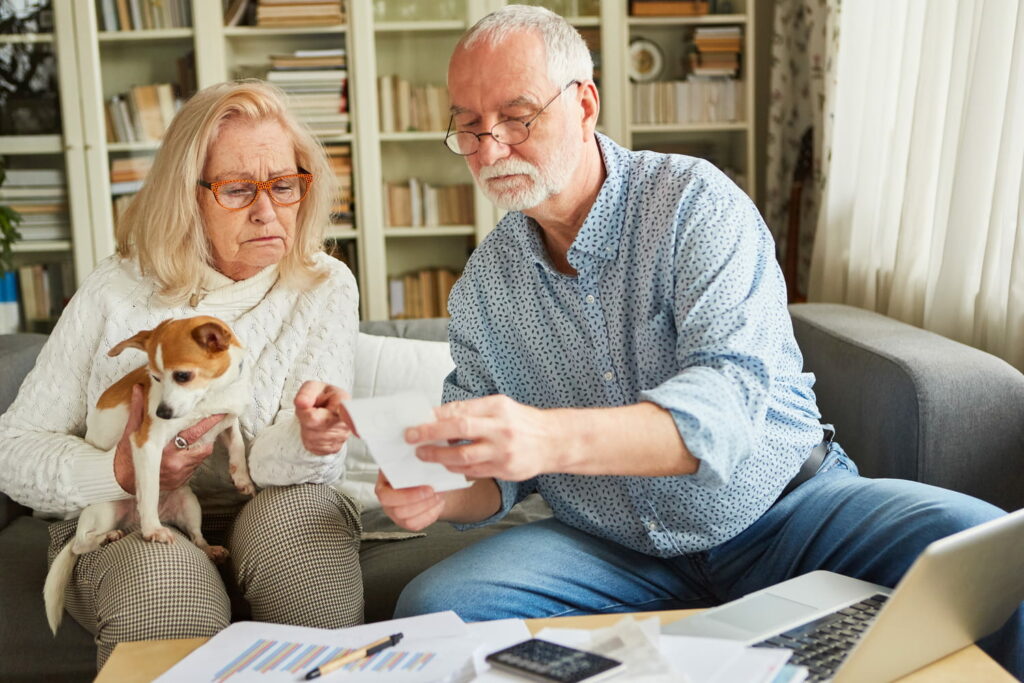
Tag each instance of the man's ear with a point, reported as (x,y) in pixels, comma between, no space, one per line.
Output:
(138,341)
(212,337)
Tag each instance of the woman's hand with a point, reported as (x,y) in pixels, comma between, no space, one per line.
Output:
(323,420)
(413,508)
(176,464)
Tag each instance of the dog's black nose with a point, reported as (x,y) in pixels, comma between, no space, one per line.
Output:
(164,412)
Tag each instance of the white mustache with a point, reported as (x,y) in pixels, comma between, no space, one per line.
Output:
(508,167)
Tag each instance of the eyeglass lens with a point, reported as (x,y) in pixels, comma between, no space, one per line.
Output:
(511,132)
(241,193)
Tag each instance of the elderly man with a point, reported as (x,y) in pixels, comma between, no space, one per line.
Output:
(622,347)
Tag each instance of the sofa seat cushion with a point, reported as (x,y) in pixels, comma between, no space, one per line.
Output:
(25,640)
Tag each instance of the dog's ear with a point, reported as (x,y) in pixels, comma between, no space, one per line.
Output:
(212,337)
(138,341)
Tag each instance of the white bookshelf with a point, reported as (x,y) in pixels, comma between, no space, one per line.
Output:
(411,40)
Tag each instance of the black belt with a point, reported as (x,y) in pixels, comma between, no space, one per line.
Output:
(810,466)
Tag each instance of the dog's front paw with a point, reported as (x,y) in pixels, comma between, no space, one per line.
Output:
(218,554)
(115,535)
(160,534)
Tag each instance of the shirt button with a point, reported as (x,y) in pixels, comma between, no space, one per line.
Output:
(609,376)
(653,526)
(590,298)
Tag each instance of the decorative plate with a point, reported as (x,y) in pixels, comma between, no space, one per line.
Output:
(645,60)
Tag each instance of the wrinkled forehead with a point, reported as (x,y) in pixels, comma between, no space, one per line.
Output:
(487,76)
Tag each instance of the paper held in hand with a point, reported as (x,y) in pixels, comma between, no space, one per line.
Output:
(381,422)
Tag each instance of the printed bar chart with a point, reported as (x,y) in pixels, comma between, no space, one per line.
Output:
(276,657)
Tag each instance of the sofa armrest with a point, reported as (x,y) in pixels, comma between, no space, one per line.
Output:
(17,356)
(913,404)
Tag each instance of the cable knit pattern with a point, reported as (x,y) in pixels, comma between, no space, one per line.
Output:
(289,337)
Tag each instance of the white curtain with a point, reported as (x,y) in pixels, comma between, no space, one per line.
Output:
(922,216)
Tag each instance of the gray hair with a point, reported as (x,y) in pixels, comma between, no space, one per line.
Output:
(568,57)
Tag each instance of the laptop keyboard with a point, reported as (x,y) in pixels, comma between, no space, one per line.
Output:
(822,645)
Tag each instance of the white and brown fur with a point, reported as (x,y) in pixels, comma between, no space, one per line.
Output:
(195,370)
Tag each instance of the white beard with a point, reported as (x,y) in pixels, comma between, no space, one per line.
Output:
(531,184)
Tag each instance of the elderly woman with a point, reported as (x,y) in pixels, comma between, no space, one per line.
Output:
(229,223)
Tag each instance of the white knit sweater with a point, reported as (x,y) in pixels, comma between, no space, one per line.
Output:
(289,337)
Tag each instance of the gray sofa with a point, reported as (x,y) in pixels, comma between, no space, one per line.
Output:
(906,403)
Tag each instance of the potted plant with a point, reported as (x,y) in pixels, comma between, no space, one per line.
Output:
(9,221)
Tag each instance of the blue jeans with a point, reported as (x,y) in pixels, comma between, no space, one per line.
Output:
(872,529)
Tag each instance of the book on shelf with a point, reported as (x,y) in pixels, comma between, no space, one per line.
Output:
(234,13)
(668,8)
(136,15)
(9,318)
(421,294)
(127,169)
(345,251)
(698,99)
(142,114)
(275,13)
(407,107)
(43,291)
(34,177)
(415,204)
(43,218)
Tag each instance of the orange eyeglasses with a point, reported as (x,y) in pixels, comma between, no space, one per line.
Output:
(285,190)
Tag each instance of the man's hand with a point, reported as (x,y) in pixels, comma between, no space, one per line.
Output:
(413,508)
(507,440)
(176,464)
(323,420)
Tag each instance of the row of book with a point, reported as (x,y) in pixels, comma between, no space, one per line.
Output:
(407,107)
(142,114)
(31,297)
(38,195)
(669,8)
(340,159)
(141,15)
(316,84)
(418,204)
(695,100)
(289,13)
(716,51)
(127,174)
(421,294)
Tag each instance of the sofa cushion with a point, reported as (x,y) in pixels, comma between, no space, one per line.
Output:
(388,365)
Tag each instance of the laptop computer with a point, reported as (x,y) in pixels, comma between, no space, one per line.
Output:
(961,588)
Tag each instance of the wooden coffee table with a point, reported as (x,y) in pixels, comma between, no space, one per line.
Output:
(145,660)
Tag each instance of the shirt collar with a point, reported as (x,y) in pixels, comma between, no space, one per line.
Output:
(602,229)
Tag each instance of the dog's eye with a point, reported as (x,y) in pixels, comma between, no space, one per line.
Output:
(155,378)
(181,377)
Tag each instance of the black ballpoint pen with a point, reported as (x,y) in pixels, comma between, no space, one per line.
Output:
(355,655)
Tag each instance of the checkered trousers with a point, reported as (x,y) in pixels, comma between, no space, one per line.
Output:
(294,560)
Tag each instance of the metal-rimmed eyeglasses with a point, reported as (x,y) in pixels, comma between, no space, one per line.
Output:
(285,190)
(508,132)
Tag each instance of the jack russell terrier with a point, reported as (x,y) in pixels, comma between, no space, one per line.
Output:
(195,370)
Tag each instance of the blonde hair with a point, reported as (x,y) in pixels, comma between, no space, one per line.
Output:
(162,228)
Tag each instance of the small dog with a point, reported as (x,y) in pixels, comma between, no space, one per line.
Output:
(195,370)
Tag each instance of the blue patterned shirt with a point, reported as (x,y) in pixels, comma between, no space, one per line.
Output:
(678,300)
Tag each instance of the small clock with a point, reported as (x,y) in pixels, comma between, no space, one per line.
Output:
(645,60)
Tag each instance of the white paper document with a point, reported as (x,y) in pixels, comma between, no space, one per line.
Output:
(433,646)
(381,422)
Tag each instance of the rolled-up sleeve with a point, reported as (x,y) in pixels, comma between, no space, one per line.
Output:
(726,300)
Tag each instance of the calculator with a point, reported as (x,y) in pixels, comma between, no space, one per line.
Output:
(543,660)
